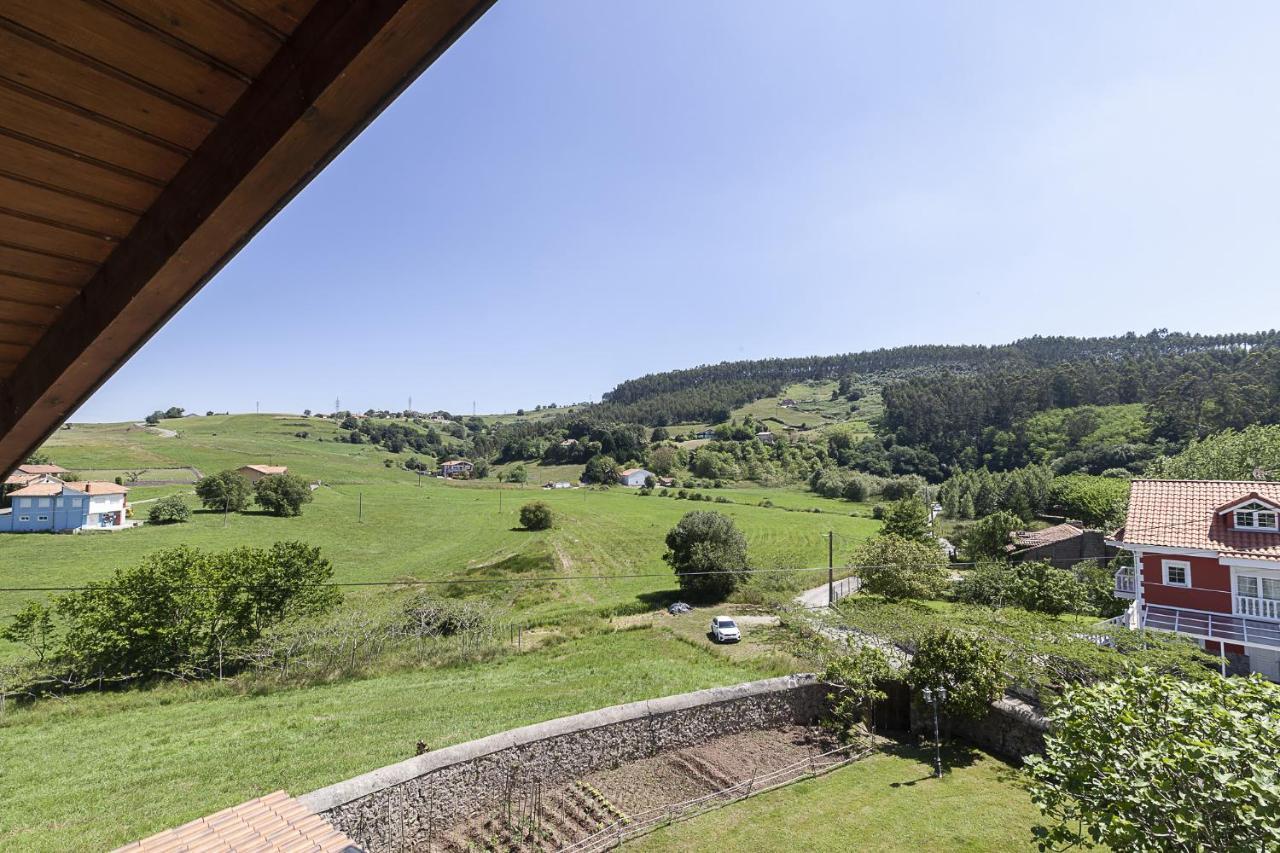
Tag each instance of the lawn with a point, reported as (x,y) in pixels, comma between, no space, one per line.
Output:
(885,802)
(378,523)
(101,770)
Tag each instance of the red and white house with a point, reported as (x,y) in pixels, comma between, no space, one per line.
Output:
(1207,565)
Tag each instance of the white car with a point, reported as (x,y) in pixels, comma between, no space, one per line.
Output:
(725,630)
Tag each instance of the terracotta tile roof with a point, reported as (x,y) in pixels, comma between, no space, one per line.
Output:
(42,469)
(98,487)
(274,823)
(1184,514)
(268,469)
(45,488)
(1037,538)
(629,471)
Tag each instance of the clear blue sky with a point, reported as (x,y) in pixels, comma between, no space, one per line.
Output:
(584,191)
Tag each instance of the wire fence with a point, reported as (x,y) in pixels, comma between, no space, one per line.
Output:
(633,826)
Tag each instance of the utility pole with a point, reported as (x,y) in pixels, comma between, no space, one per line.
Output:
(360,508)
(831,562)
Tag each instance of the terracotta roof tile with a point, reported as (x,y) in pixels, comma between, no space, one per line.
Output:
(98,487)
(1184,514)
(268,469)
(1037,538)
(276,823)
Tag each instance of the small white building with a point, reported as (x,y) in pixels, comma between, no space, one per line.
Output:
(765,437)
(634,476)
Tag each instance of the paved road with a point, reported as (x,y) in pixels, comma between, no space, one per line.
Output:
(816,598)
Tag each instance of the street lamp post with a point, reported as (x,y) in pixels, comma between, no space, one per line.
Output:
(933,697)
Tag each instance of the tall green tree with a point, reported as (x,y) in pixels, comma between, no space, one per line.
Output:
(226,491)
(908,519)
(988,537)
(1153,763)
(896,568)
(969,667)
(282,494)
(709,555)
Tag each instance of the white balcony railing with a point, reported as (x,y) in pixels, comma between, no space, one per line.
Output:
(1125,583)
(1263,608)
(1226,627)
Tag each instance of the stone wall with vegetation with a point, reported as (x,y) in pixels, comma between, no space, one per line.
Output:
(1011,728)
(401,805)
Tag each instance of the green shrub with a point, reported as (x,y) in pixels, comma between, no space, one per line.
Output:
(282,494)
(536,515)
(169,510)
(226,491)
(969,667)
(709,555)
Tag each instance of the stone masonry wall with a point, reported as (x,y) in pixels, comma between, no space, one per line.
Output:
(400,806)
(1011,729)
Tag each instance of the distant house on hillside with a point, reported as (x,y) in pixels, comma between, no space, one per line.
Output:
(569,442)
(787,403)
(254,473)
(24,474)
(634,476)
(706,433)
(1061,544)
(558,484)
(457,468)
(48,504)
(765,437)
(666,481)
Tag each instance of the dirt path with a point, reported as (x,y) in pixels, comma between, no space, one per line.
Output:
(160,431)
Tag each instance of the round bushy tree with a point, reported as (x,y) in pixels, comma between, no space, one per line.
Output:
(969,667)
(225,491)
(908,518)
(536,516)
(1154,762)
(898,568)
(282,494)
(601,468)
(707,542)
(170,510)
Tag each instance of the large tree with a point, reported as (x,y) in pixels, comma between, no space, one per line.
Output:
(282,494)
(1153,762)
(898,568)
(709,555)
(226,491)
(968,667)
(909,519)
(988,537)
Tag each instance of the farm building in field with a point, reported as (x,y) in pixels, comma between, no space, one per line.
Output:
(254,473)
(765,437)
(1207,558)
(634,476)
(24,474)
(457,468)
(1060,544)
(706,433)
(48,504)
(558,484)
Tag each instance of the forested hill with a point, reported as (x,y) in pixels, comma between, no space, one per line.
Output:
(709,392)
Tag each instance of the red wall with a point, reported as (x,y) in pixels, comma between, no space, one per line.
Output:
(1210,584)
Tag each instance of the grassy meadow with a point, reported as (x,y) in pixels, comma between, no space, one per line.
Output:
(888,801)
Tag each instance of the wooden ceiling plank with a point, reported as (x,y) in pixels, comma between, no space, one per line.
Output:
(54,169)
(24,231)
(281,15)
(40,67)
(27,312)
(52,206)
(88,29)
(19,288)
(210,28)
(341,66)
(44,266)
(19,334)
(12,353)
(22,112)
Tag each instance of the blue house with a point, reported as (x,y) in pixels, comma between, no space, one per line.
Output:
(49,504)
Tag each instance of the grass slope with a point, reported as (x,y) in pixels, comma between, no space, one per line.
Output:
(885,802)
(102,770)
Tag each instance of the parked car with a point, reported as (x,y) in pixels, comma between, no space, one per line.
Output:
(678,608)
(725,630)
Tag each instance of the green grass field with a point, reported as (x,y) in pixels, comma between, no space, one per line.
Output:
(885,802)
(97,771)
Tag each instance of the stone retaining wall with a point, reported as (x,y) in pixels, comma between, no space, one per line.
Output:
(399,806)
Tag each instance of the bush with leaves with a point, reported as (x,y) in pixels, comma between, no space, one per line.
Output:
(988,537)
(709,555)
(226,491)
(1044,589)
(854,684)
(969,667)
(1150,762)
(601,469)
(896,568)
(169,510)
(909,519)
(282,494)
(181,612)
(536,515)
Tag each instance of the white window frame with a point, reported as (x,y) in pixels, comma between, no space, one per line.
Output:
(1185,565)
(1246,517)
(24,518)
(42,518)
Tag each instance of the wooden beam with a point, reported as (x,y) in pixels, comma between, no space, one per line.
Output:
(343,64)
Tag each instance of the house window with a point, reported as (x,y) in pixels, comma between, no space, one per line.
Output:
(24,518)
(1177,573)
(42,518)
(1258,587)
(1255,516)
(42,502)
